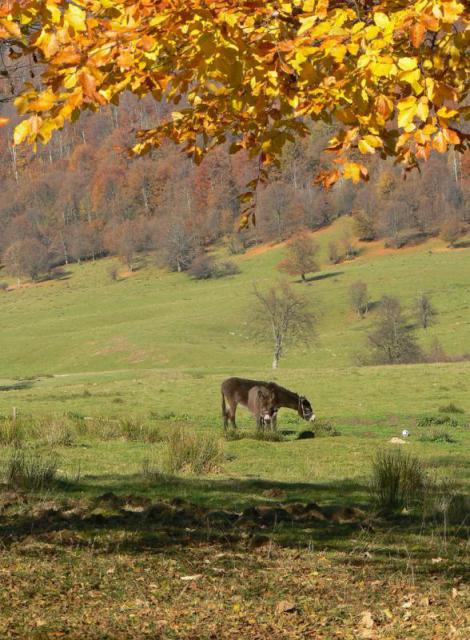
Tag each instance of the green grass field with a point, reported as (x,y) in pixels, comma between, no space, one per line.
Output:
(153,348)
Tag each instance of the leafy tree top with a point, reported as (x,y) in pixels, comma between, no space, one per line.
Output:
(392,75)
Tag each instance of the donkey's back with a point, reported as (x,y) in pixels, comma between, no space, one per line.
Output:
(237,389)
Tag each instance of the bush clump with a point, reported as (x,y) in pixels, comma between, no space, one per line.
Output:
(206,267)
(30,469)
(325,429)
(12,432)
(436,421)
(189,452)
(437,435)
(398,479)
(451,408)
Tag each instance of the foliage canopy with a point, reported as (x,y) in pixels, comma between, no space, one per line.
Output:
(391,75)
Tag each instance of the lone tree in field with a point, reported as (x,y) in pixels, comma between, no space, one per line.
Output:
(300,259)
(359,298)
(424,310)
(303,61)
(393,340)
(179,247)
(27,257)
(282,316)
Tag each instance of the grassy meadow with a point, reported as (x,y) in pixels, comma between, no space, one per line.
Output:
(101,373)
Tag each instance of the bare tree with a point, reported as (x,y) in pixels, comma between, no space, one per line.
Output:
(334,255)
(27,257)
(451,231)
(126,240)
(300,259)
(282,316)
(393,340)
(179,247)
(359,298)
(425,312)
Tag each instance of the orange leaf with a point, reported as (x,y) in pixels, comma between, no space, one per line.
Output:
(417,33)
(439,143)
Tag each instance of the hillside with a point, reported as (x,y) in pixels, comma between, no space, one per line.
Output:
(166,331)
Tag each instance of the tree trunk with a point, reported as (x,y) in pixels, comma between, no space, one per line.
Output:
(277,353)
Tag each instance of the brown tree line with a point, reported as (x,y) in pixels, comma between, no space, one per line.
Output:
(82,196)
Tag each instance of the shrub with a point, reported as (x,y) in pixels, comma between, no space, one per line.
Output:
(233,434)
(397,479)
(113,273)
(393,341)
(451,231)
(3,286)
(443,500)
(227,268)
(54,432)
(359,298)
(151,471)
(12,432)
(31,469)
(407,238)
(424,311)
(334,255)
(451,408)
(324,429)
(437,435)
(267,436)
(236,246)
(187,451)
(205,267)
(433,421)
(134,430)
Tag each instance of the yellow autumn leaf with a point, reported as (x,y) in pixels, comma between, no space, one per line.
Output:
(383,69)
(306,24)
(422,110)
(407,64)
(381,20)
(22,131)
(352,171)
(406,116)
(444,112)
(75,17)
(364,147)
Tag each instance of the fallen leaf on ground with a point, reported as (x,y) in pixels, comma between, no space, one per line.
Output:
(367,621)
(188,578)
(285,606)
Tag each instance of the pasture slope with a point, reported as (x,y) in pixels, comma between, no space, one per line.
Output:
(117,549)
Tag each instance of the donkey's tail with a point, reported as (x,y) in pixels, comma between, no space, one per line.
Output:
(224,411)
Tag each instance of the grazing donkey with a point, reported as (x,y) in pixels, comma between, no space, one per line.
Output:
(235,391)
(261,404)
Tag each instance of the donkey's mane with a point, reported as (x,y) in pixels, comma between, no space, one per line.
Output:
(278,386)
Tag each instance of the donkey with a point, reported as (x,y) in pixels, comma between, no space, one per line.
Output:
(261,404)
(235,391)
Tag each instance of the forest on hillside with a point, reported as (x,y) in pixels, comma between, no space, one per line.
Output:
(83,196)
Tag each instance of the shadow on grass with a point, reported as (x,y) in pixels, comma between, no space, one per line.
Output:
(323,276)
(170,513)
(17,386)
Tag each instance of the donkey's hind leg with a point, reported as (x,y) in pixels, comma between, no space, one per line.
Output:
(230,414)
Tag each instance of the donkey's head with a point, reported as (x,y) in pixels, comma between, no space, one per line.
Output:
(305,409)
